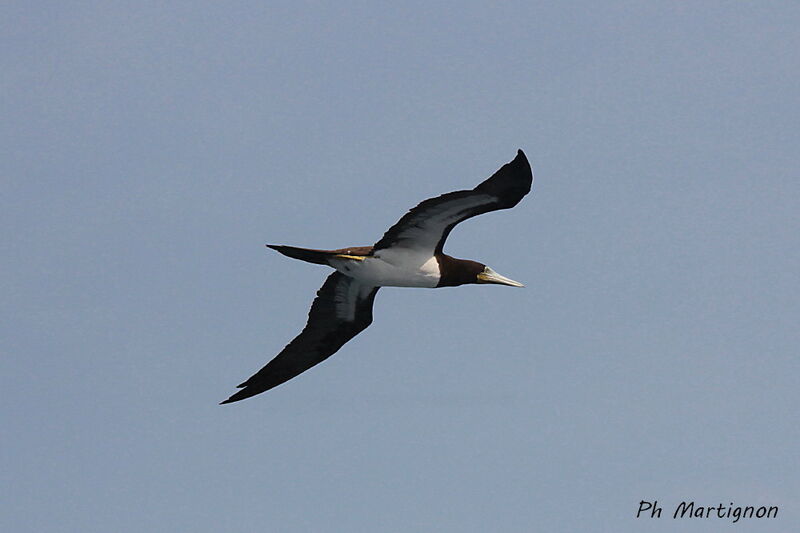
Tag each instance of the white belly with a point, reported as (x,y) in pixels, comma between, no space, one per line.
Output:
(392,270)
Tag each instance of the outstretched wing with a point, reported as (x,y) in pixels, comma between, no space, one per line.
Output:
(426,227)
(341,310)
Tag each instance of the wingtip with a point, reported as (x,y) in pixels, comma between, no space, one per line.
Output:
(234,398)
(246,392)
(524,164)
(238,395)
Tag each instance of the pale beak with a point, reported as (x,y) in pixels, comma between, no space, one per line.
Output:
(490,276)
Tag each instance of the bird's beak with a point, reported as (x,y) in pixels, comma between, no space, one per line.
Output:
(490,276)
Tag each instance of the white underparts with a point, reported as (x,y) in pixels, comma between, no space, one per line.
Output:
(395,267)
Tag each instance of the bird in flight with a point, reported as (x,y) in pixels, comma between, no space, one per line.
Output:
(408,255)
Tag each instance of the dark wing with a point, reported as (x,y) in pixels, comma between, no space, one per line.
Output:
(341,310)
(427,225)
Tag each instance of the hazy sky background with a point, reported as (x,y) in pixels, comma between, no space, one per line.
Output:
(149,150)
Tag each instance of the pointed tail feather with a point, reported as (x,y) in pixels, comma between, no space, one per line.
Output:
(319,257)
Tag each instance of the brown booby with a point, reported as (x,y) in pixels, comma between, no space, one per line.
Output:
(408,255)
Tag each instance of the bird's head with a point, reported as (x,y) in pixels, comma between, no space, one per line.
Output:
(463,271)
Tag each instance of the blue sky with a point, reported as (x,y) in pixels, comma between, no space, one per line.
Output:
(149,151)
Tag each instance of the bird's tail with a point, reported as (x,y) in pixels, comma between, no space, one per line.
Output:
(319,257)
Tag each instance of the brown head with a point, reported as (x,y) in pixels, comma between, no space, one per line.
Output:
(454,272)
